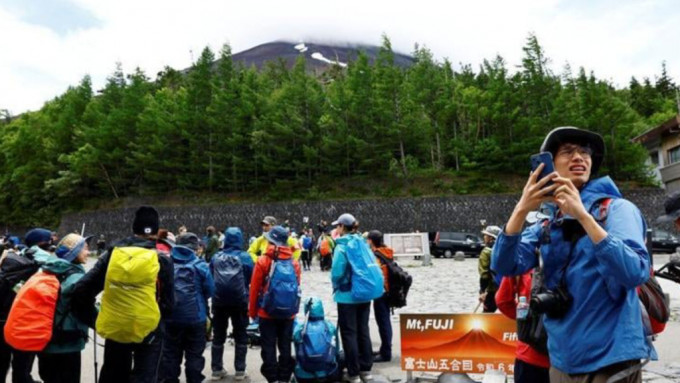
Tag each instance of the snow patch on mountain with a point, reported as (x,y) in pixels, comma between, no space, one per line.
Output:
(320,57)
(301,47)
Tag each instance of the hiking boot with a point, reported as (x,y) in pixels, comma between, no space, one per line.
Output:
(380,359)
(366,376)
(240,376)
(351,379)
(219,375)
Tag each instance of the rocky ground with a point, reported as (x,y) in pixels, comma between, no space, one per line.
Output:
(447,286)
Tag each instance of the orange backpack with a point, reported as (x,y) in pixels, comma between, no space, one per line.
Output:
(31,318)
(325,247)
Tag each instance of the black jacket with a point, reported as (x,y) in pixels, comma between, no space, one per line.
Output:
(90,285)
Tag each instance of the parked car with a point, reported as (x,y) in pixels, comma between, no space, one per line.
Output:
(446,244)
(663,241)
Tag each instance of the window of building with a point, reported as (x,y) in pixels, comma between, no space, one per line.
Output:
(674,155)
(654,156)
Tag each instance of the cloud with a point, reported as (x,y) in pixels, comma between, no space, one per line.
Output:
(616,39)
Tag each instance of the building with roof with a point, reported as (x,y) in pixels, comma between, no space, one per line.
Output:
(663,145)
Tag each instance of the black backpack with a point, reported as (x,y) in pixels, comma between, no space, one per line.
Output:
(399,282)
(15,268)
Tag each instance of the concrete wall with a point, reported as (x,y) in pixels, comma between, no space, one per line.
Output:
(455,213)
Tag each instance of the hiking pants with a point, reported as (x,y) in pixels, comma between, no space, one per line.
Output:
(306,259)
(118,364)
(381,308)
(22,362)
(599,376)
(356,337)
(59,368)
(275,332)
(529,373)
(239,322)
(183,341)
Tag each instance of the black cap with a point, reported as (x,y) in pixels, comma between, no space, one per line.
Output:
(672,208)
(146,221)
(572,135)
(376,237)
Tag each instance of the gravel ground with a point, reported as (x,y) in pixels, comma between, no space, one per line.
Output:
(446,286)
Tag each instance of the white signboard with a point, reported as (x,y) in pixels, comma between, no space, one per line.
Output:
(408,244)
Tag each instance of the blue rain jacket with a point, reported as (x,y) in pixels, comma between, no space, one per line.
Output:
(604,324)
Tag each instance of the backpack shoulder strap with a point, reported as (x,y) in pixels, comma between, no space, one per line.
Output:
(382,258)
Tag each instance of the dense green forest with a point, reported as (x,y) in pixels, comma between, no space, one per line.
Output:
(281,133)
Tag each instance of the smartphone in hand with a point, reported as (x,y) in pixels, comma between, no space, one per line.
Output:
(545,158)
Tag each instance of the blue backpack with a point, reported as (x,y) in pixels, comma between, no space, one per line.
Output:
(366,277)
(317,351)
(230,287)
(187,307)
(282,297)
(307,243)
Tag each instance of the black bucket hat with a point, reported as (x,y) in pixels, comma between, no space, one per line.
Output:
(573,135)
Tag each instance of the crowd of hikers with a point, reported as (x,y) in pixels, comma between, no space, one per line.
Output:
(572,266)
(164,296)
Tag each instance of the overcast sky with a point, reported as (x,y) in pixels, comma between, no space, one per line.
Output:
(47,45)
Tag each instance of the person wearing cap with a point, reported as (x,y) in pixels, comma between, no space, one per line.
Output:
(146,355)
(487,283)
(259,246)
(672,209)
(59,362)
(591,265)
(18,266)
(273,331)
(353,316)
(381,306)
(185,328)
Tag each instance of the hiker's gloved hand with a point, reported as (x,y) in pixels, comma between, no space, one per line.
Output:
(568,199)
(535,192)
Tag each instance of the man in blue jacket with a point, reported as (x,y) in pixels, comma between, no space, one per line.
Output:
(185,331)
(592,263)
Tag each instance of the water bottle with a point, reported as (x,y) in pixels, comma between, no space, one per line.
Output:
(522,308)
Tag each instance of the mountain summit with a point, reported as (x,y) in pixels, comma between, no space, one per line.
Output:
(319,56)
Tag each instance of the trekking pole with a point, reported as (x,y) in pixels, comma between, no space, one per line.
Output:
(96,368)
(474,312)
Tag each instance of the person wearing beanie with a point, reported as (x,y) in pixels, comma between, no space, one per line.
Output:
(145,353)
(59,362)
(18,266)
(259,246)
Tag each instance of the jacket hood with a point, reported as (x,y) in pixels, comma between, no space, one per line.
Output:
(35,251)
(137,242)
(60,266)
(182,254)
(386,251)
(345,238)
(314,307)
(233,238)
(598,189)
(285,252)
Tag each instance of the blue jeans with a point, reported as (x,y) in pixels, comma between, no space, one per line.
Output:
(239,322)
(186,341)
(381,308)
(356,337)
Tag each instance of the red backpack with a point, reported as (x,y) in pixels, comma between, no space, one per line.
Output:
(656,309)
(31,319)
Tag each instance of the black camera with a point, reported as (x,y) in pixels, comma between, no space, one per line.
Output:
(553,303)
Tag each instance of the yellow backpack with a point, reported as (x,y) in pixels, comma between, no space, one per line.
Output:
(129,310)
